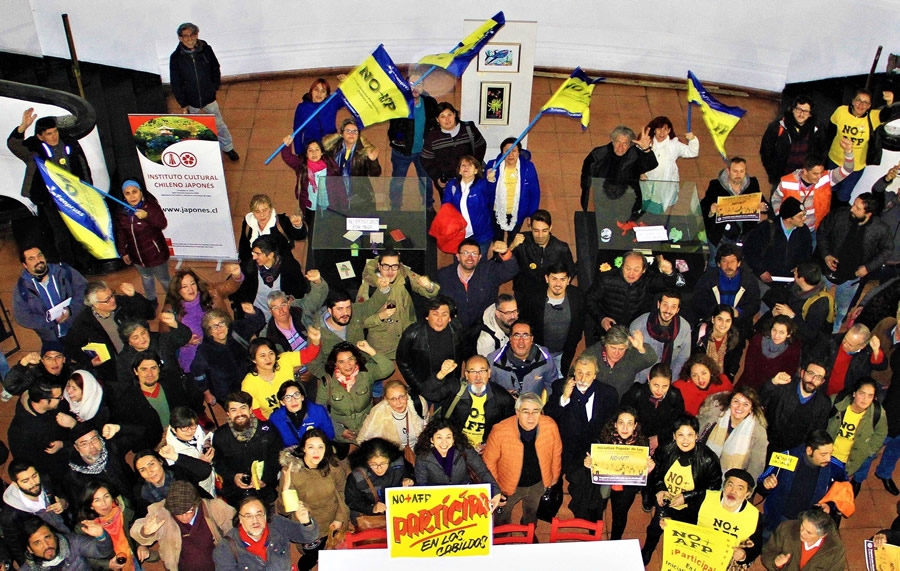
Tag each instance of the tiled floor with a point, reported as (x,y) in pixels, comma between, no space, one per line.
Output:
(259,114)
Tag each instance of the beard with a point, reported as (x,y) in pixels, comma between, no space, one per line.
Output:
(241,422)
(40,270)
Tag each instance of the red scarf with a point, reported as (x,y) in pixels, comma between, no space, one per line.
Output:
(348,381)
(314,167)
(257,548)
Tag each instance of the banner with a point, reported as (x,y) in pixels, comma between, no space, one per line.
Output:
(738,208)
(720,119)
(459,57)
(885,558)
(621,465)
(439,521)
(573,98)
(182,167)
(82,208)
(689,547)
(376,91)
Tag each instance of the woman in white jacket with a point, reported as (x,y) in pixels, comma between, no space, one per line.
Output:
(394,418)
(187,437)
(660,186)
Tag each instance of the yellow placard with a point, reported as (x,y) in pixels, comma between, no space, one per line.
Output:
(784,461)
(439,521)
(689,547)
(100,349)
(738,208)
(621,465)
(887,558)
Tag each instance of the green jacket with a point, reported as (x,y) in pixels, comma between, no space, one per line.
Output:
(868,438)
(349,409)
(384,336)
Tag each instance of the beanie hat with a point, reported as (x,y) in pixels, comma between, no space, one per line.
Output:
(131,182)
(52,345)
(740,474)
(790,208)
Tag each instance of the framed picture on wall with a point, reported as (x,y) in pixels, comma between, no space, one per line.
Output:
(494,103)
(503,58)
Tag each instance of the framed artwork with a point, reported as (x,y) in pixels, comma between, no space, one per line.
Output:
(503,58)
(494,103)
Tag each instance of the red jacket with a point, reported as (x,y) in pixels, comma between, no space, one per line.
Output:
(504,451)
(142,240)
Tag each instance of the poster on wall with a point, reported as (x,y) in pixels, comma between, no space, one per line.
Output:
(182,168)
(502,58)
(439,521)
(494,103)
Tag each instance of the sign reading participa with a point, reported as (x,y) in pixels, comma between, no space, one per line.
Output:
(689,547)
(182,167)
(620,465)
(738,208)
(785,461)
(439,521)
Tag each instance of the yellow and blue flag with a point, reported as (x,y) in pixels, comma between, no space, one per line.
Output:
(573,98)
(376,91)
(458,59)
(82,208)
(720,119)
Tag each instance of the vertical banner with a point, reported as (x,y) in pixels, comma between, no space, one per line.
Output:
(182,167)
(439,521)
(689,547)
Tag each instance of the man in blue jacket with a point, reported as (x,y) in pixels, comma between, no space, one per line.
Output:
(473,284)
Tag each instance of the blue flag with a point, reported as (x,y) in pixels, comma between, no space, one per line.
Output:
(459,57)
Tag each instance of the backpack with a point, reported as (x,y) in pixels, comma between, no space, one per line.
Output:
(808,303)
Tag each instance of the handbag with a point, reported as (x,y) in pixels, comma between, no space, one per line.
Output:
(376,521)
(550,502)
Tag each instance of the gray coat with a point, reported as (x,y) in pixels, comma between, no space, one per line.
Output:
(681,349)
(430,473)
(230,554)
(622,375)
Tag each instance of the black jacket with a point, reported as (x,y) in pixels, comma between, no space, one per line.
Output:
(34,186)
(165,345)
(576,431)
(235,457)
(117,472)
(531,309)
(780,135)
(129,405)
(414,356)
(876,242)
(655,421)
(611,296)
(707,473)
(715,190)
(532,263)
(220,368)
(767,249)
(499,404)
(401,132)
(293,282)
(86,329)
(790,420)
(283,231)
(596,165)
(29,434)
(706,298)
(194,75)
(860,363)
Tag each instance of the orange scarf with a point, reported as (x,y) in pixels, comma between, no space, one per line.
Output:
(115,526)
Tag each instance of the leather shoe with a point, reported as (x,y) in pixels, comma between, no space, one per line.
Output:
(890,486)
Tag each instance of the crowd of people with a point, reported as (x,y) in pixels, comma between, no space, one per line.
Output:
(330,397)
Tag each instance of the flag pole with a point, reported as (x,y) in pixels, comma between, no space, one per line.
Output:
(304,124)
(522,136)
(690,107)
(113,198)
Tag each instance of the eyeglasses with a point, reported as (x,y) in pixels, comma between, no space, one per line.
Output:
(379,465)
(292,397)
(218,325)
(398,398)
(95,440)
(510,312)
(862,102)
(107,300)
(189,35)
(190,428)
(803,111)
(470,254)
(521,335)
(279,307)
(476,371)
(258,515)
(813,377)
(351,131)
(393,267)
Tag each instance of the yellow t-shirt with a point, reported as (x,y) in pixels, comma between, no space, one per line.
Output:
(474,426)
(857,130)
(264,392)
(739,525)
(679,479)
(843,442)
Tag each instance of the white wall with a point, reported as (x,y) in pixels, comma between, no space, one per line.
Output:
(761,44)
